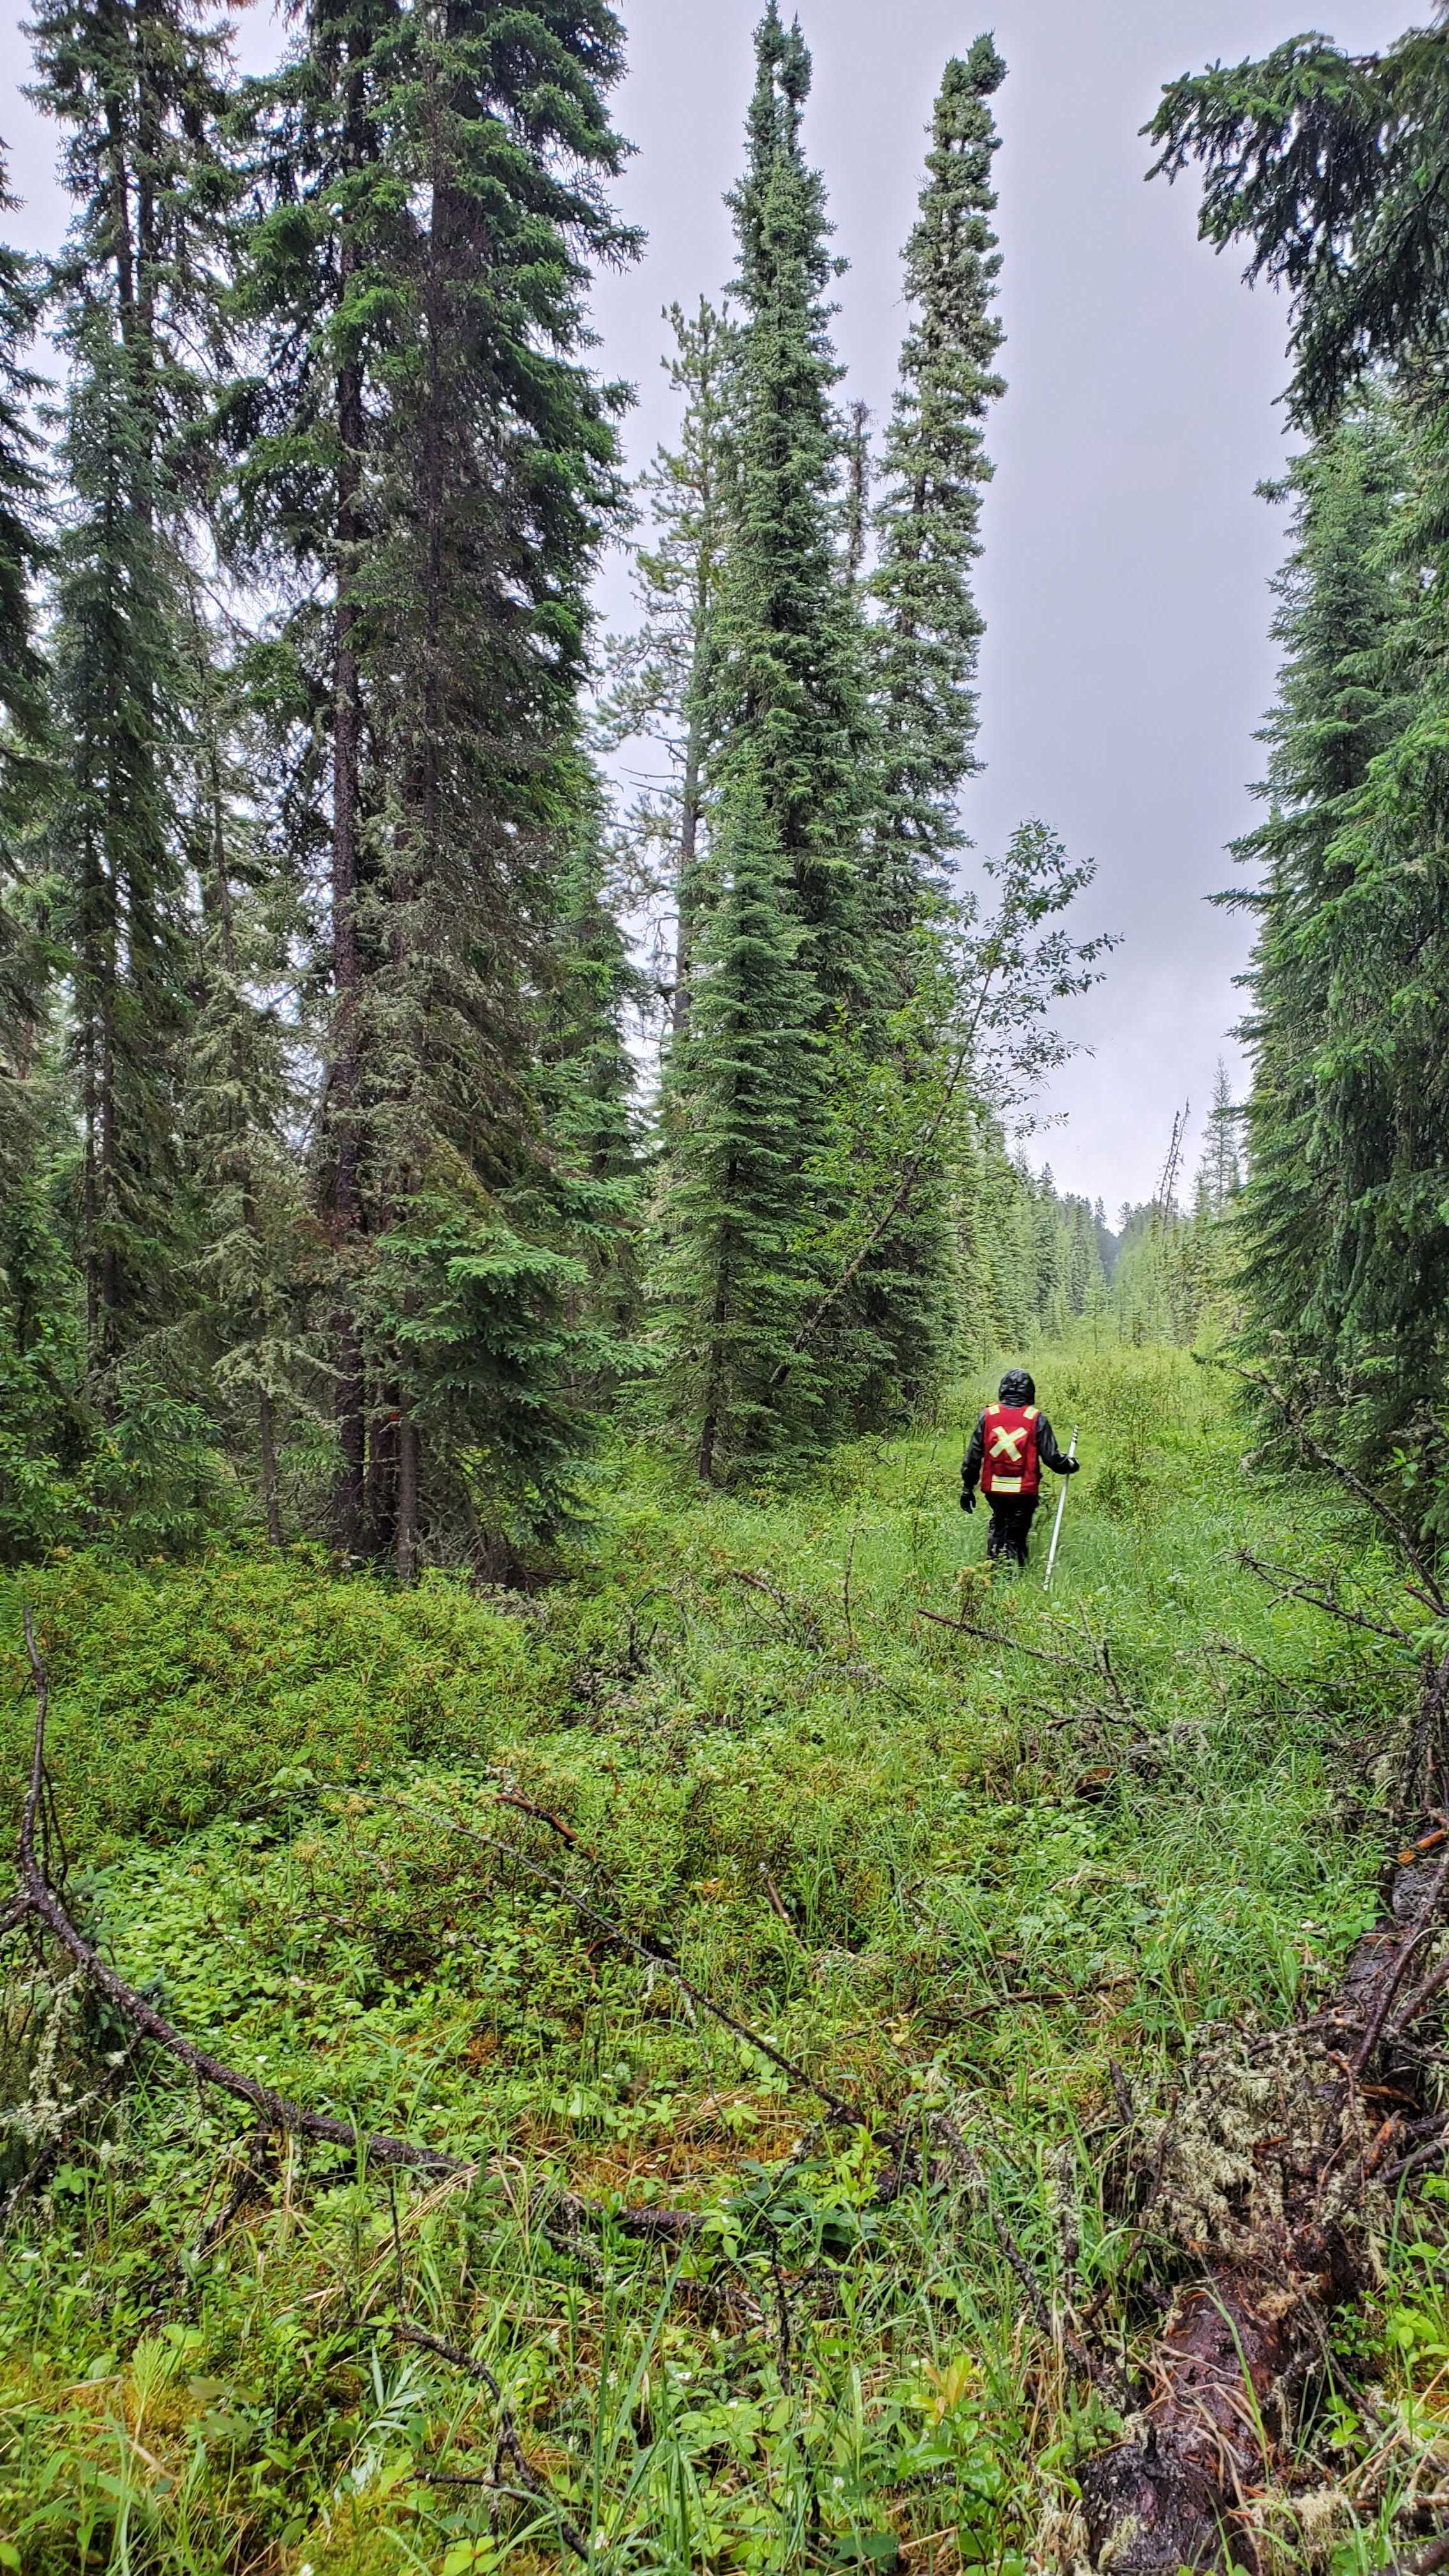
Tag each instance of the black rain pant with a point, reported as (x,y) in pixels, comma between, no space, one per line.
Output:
(1011,1519)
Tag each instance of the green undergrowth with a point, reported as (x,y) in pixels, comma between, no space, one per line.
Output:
(931,1870)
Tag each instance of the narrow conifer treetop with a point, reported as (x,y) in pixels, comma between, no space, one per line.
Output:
(934,473)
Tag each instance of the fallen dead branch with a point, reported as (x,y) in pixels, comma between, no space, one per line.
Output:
(653,1953)
(645,2225)
(544,1816)
(803,1613)
(963,1627)
(1288,1587)
(1384,1512)
(510,2444)
(1099,1668)
(1274,2173)
(1428,2562)
(1227,1648)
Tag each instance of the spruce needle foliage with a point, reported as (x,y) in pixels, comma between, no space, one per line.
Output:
(788,764)
(1339,605)
(23,498)
(786,681)
(1334,169)
(925,638)
(121,906)
(135,89)
(26,970)
(446,460)
(935,469)
(1330,168)
(748,1074)
(590,1089)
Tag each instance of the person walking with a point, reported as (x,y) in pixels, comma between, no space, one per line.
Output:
(1009,1447)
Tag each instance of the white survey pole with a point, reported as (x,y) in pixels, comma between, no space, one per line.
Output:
(1061,1507)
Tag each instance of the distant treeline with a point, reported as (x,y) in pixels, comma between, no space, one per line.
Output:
(1050,1262)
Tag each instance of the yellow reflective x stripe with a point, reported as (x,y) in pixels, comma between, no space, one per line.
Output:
(1008,1444)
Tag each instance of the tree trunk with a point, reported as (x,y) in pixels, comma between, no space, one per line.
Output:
(271,1492)
(345,1071)
(109,1266)
(407,1552)
(105,960)
(687,894)
(714,1376)
(216,893)
(417,875)
(379,1534)
(88,995)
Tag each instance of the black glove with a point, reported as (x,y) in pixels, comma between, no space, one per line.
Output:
(968,1498)
(1071,1466)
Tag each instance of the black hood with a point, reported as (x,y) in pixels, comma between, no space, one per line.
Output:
(1017,1388)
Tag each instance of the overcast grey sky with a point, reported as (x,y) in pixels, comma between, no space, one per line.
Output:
(1127,660)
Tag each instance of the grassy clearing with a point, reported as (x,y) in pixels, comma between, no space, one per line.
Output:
(929,1869)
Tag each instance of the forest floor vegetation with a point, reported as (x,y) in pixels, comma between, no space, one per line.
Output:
(486,1871)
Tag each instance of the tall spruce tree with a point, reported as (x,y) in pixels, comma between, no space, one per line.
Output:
(326,259)
(23,694)
(926,635)
(1338,615)
(122,904)
(439,448)
(41,1353)
(749,1075)
(590,1084)
(1221,1171)
(786,695)
(23,494)
(1328,166)
(928,521)
(135,86)
(788,773)
(1382,1106)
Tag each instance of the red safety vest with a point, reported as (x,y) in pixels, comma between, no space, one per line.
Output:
(1010,1465)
